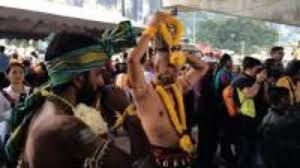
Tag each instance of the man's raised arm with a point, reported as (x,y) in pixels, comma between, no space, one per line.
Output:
(135,70)
(252,91)
(190,78)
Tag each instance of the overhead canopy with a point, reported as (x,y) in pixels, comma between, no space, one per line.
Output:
(278,11)
(36,19)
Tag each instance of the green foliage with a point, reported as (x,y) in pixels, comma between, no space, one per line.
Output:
(231,33)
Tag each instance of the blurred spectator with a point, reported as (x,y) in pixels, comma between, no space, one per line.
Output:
(122,81)
(206,117)
(280,129)
(222,79)
(107,75)
(251,84)
(276,67)
(236,70)
(4,61)
(288,81)
(274,73)
(27,66)
(37,75)
(15,56)
(121,67)
(223,75)
(296,52)
(3,80)
(147,62)
(34,54)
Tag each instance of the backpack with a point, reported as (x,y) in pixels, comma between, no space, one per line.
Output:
(245,106)
(228,97)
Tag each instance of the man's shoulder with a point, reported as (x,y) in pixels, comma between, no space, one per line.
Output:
(62,123)
(63,130)
(57,121)
(242,80)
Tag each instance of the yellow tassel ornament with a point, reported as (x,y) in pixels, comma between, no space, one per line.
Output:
(186,144)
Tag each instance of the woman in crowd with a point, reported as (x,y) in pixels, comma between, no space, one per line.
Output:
(12,94)
(223,78)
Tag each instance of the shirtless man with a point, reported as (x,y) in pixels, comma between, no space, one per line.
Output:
(55,137)
(150,107)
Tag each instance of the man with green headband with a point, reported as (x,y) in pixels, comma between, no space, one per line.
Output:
(54,128)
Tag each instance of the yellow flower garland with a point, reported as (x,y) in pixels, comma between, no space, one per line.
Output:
(179,123)
(150,31)
(173,115)
(167,36)
(186,144)
(179,100)
(178,59)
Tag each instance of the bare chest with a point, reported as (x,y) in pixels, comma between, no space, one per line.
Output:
(155,119)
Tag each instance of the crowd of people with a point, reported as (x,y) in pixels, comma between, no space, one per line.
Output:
(72,109)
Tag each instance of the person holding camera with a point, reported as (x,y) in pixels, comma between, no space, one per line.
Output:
(252,84)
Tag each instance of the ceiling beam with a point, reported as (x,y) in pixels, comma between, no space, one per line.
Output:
(278,11)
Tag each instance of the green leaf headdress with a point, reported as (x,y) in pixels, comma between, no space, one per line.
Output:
(61,70)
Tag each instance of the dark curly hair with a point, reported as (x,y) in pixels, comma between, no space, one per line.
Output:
(293,68)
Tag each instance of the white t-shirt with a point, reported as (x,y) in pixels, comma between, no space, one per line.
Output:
(5,104)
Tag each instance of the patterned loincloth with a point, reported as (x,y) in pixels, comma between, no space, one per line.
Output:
(170,157)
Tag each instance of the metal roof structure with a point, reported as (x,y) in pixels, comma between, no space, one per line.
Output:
(37,19)
(277,11)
